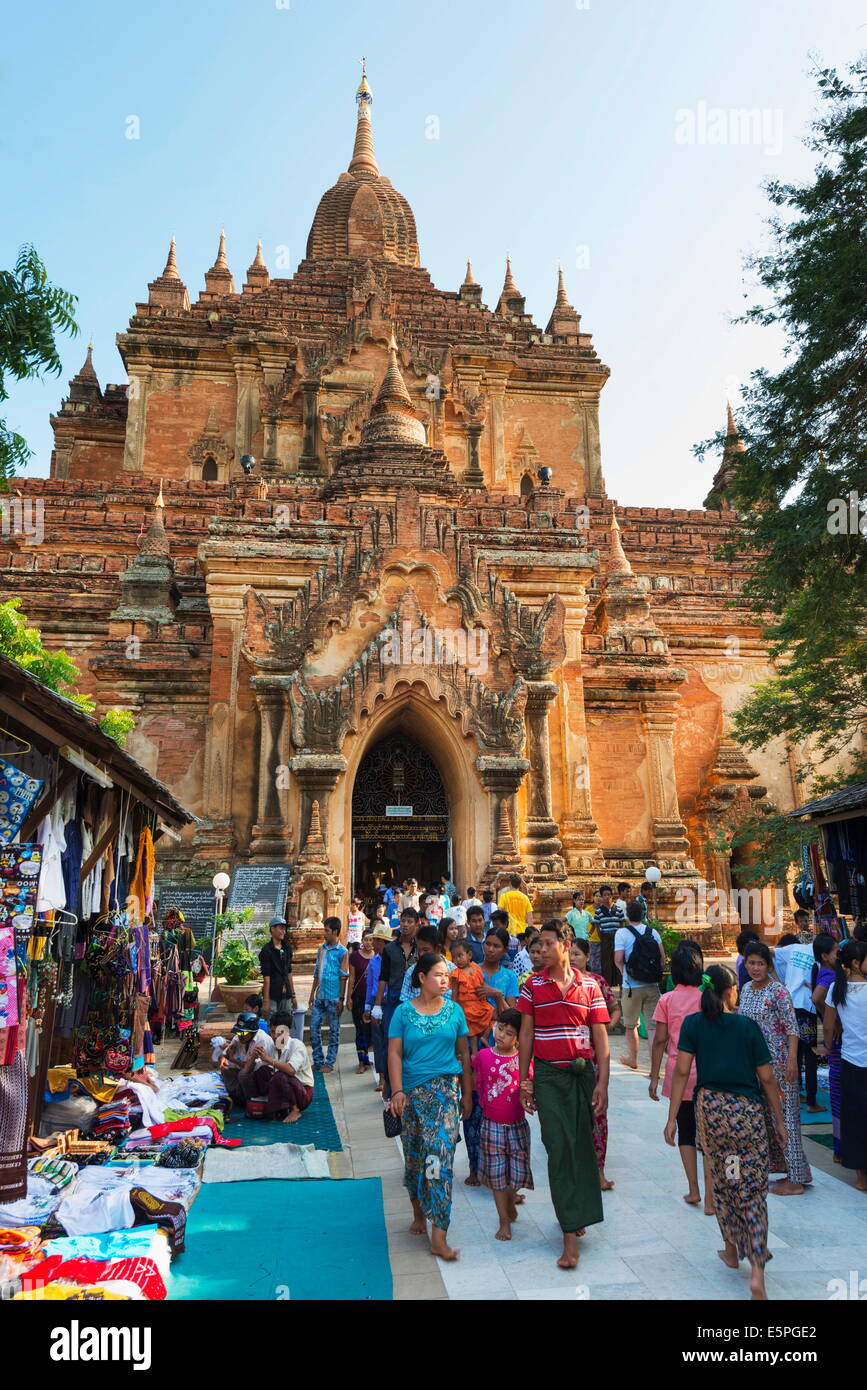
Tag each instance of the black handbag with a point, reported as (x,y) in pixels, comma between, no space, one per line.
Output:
(392,1123)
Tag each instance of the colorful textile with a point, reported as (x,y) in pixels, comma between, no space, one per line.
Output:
(564,1098)
(771,1008)
(142,886)
(430,1133)
(13,1129)
(732,1127)
(18,793)
(142,1272)
(562,1020)
(505,1155)
(171,1217)
(600,1129)
(193,1122)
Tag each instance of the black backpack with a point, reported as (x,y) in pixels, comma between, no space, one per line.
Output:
(644,964)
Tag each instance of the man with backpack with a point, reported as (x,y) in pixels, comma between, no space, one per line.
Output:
(639,957)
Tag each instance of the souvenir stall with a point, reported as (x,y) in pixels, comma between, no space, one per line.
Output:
(99,1157)
(841,819)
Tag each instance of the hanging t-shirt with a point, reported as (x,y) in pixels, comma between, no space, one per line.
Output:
(355,924)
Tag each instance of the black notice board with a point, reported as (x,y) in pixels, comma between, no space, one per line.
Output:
(263,887)
(197,905)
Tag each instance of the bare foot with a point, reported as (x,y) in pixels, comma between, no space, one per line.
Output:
(440,1248)
(473,1180)
(628,1062)
(519,1199)
(418,1227)
(692,1199)
(505,1232)
(605,1184)
(814,1109)
(360,1069)
(327,1068)
(709,1211)
(292,1116)
(569,1258)
(785,1188)
(757,1285)
(380,1086)
(837,1158)
(861,1181)
(729,1258)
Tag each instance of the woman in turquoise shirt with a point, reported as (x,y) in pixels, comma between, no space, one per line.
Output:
(501,981)
(431,1086)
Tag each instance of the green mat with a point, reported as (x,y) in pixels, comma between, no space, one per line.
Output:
(280,1241)
(826,1139)
(316,1126)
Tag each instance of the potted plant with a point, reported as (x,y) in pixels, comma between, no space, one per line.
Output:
(236,968)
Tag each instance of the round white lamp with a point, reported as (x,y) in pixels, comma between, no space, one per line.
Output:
(221,882)
(653,874)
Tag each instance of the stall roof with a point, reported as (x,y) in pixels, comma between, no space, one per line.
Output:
(53,720)
(846,802)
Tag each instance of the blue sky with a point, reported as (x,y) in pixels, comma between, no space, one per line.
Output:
(603,134)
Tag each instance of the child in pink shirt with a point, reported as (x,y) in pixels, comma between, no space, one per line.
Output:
(687,964)
(505,1135)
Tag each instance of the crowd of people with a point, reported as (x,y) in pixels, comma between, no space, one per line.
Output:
(472,1017)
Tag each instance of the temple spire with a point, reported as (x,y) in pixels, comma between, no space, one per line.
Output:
(363,154)
(511,301)
(171,271)
(562,301)
(564,325)
(257,272)
(469,278)
(218,280)
(619,563)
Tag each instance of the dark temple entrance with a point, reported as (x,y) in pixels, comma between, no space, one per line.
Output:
(400,817)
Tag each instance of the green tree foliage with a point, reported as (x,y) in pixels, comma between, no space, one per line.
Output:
(55,669)
(804,428)
(32,313)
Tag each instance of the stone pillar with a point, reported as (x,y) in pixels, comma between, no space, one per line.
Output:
(308,464)
(501,777)
(137,396)
(247,406)
(541,840)
(497,396)
(578,830)
(214,837)
(271,838)
(316,775)
(473,476)
(669,833)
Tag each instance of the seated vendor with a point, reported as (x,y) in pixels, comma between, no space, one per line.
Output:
(241,1060)
(286,1077)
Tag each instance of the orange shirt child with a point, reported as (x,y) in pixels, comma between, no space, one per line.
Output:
(464,981)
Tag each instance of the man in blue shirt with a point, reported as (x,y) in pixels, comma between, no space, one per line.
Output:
(330,975)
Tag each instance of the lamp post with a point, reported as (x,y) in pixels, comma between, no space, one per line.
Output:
(221,882)
(653,875)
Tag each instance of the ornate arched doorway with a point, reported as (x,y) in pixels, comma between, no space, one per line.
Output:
(400,816)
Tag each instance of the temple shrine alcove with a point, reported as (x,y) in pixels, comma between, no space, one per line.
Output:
(400,816)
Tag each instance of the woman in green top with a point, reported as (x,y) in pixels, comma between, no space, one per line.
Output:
(429,1069)
(733,1068)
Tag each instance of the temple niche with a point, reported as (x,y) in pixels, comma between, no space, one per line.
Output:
(344,547)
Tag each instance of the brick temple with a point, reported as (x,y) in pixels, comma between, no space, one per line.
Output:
(344,546)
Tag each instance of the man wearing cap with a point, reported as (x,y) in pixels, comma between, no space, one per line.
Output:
(275,962)
(242,1058)
(382,935)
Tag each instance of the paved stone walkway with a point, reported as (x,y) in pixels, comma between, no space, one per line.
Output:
(650,1246)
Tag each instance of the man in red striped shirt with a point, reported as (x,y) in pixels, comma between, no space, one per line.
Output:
(564,1035)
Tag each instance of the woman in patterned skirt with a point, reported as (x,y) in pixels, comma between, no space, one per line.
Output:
(733,1071)
(770,1005)
(431,1086)
(579,956)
